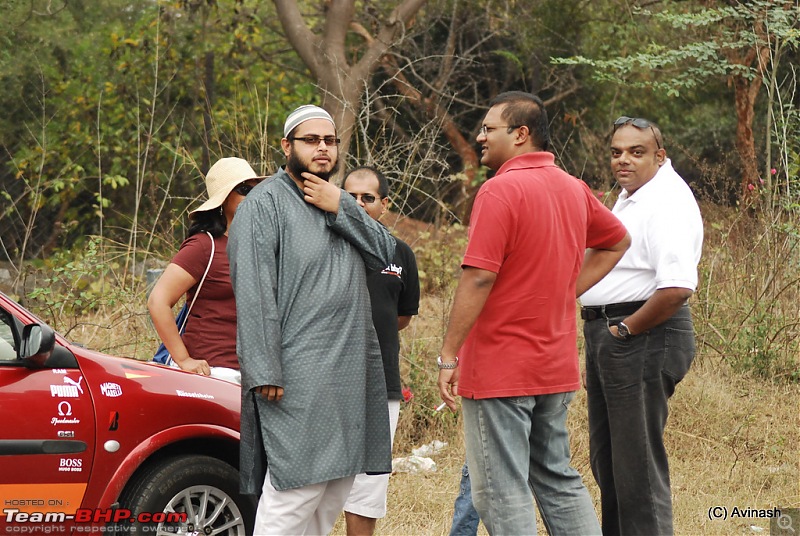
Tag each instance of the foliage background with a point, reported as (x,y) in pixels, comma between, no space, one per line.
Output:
(113,110)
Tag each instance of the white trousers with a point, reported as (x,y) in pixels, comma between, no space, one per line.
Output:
(368,496)
(310,510)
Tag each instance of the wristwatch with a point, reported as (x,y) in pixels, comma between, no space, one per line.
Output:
(446,366)
(623,331)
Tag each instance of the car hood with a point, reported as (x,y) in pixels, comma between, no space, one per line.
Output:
(146,390)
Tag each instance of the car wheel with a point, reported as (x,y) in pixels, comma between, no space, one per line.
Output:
(204,488)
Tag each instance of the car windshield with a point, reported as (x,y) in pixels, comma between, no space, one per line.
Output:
(8,346)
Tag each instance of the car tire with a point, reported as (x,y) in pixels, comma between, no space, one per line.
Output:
(205,488)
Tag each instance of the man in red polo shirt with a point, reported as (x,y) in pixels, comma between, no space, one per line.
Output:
(510,350)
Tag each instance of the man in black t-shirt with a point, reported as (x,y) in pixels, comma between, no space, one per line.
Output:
(394,295)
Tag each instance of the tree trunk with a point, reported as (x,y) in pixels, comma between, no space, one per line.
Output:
(342,101)
(326,55)
(745,94)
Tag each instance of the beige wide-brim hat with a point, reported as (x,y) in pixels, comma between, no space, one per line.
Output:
(222,178)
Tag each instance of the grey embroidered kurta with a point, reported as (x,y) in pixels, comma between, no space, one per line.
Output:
(304,323)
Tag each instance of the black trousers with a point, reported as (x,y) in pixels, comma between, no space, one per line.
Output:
(628,386)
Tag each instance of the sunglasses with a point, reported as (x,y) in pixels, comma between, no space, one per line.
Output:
(639,123)
(243,189)
(330,141)
(368,199)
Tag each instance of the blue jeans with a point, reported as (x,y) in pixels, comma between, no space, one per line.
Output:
(628,385)
(518,451)
(465,517)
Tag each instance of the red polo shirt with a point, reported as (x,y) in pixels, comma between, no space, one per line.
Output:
(530,225)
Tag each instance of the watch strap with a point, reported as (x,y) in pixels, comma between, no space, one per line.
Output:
(446,366)
(624,331)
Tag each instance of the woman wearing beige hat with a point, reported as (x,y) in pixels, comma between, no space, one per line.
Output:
(209,341)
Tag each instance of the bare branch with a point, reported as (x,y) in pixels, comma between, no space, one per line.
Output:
(389,33)
(298,34)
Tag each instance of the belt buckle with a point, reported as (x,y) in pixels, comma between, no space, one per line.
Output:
(591,313)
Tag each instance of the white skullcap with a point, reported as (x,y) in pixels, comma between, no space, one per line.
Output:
(303,114)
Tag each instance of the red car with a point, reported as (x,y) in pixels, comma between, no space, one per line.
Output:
(95,443)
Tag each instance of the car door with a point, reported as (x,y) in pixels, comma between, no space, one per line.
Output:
(48,430)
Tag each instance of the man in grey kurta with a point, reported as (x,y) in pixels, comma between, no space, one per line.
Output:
(305,332)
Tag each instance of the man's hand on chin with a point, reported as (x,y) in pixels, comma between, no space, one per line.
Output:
(321,193)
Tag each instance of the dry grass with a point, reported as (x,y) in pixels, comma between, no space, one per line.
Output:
(732,436)
(732,440)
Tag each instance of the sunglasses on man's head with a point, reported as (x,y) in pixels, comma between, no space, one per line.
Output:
(368,199)
(638,122)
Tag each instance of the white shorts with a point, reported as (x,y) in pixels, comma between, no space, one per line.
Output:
(228,374)
(309,510)
(368,496)
(223,373)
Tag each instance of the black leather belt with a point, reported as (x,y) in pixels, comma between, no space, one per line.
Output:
(610,310)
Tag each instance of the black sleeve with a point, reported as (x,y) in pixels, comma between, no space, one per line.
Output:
(408,303)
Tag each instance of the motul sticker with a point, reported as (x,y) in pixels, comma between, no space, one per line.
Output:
(110,389)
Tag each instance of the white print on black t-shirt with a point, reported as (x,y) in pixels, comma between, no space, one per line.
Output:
(393,269)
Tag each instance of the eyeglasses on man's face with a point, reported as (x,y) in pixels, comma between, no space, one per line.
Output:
(487,129)
(367,199)
(639,123)
(330,141)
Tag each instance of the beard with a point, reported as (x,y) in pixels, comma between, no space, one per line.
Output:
(295,167)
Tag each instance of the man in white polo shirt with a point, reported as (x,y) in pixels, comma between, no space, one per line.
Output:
(639,334)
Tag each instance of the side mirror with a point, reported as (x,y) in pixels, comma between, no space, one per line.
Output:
(38,341)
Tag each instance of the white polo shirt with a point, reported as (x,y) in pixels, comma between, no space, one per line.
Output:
(666,231)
